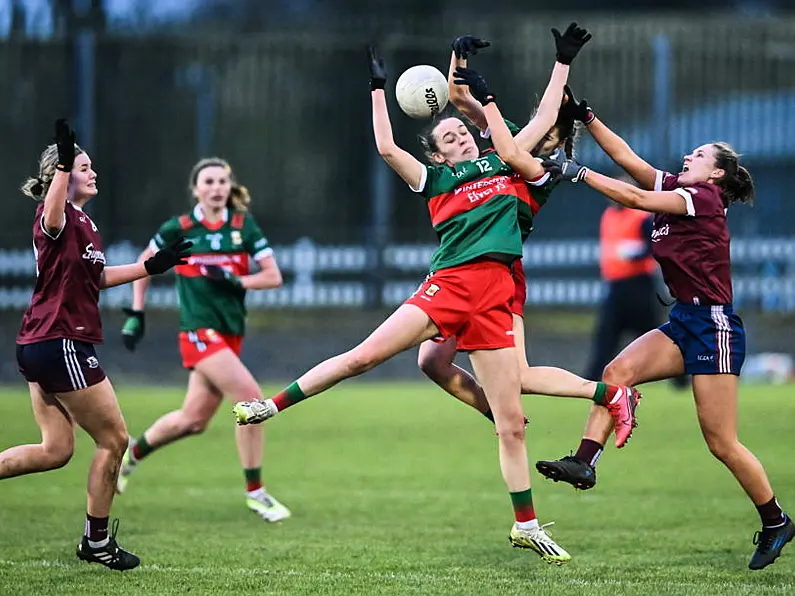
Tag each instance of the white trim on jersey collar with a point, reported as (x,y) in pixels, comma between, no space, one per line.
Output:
(78,207)
(198,213)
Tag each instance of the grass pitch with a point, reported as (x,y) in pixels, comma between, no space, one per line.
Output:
(395,489)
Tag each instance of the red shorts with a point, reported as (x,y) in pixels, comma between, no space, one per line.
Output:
(520,288)
(197,345)
(471,302)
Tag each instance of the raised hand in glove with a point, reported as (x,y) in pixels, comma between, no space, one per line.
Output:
(377,69)
(172,254)
(133,331)
(570,42)
(468,45)
(65,142)
(576,110)
(477,84)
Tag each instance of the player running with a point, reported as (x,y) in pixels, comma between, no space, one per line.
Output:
(547,133)
(55,344)
(212,287)
(703,337)
(474,203)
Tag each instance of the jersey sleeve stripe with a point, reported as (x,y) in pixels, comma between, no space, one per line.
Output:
(658,180)
(423,180)
(46,233)
(263,254)
(691,209)
(541,180)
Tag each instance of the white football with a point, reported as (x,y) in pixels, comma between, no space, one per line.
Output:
(421,91)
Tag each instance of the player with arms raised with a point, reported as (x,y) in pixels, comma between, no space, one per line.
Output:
(212,289)
(548,133)
(55,344)
(703,337)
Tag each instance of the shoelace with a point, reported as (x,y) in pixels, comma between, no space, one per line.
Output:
(764,540)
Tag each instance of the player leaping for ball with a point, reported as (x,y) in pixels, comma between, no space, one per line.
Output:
(703,337)
(548,133)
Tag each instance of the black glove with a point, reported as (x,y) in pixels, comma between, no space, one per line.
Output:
(570,43)
(172,254)
(468,45)
(477,84)
(133,330)
(65,141)
(565,170)
(576,110)
(218,273)
(377,69)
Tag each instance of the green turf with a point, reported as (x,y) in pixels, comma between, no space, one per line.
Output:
(395,489)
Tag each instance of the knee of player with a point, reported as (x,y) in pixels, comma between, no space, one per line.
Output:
(360,360)
(196,425)
(619,372)
(430,364)
(721,445)
(511,429)
(58,454)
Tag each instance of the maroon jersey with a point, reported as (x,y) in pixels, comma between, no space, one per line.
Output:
(69,265)
(693,249)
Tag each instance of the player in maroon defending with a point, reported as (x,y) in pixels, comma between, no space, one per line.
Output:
(55,344)
(703,337)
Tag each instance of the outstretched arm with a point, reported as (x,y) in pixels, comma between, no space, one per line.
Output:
(53,217)
(507,147)
(621,153)
(460,96)
(567,46)
(678,202)
(406,165)
(615,147)
(547,112)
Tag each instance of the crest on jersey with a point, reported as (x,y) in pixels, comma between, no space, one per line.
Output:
(431,290)
(215,240)
(237,238)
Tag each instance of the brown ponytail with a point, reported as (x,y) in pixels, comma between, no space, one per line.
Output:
(737,184)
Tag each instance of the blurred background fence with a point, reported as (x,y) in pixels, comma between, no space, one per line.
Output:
(285,99)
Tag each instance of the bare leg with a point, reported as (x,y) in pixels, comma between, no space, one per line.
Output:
(96,410)
(201,402)
(436,361)
(651,357)
(716,405)
(57,439)
(498,370)
(229,375)
(547,380)
(407,327)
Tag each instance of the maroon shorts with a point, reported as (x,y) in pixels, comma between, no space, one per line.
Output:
(60,365)
(520,288)
(471,302)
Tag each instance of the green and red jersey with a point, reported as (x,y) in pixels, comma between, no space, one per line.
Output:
(230,243)
(540,188)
